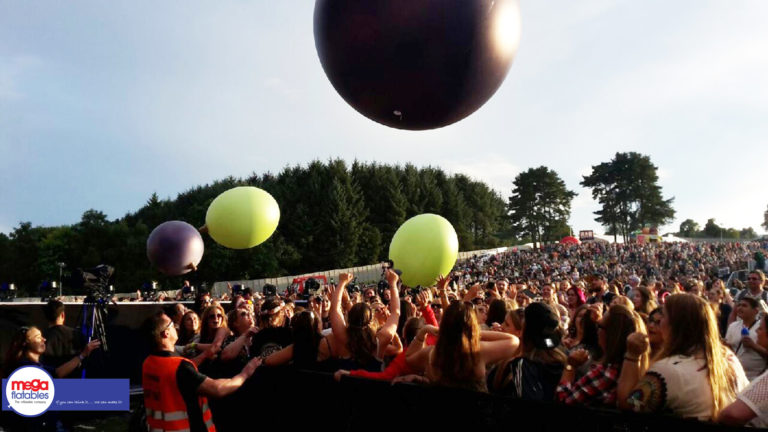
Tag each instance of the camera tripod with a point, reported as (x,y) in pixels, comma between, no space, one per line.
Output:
(93,316)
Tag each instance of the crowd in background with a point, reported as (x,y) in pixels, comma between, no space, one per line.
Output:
(647,328)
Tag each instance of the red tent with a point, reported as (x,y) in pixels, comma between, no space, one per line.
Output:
(569,240)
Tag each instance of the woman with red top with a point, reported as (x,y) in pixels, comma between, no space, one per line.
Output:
(397,367)
(598,386)
(424,305)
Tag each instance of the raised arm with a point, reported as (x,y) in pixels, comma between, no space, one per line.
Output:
(232,350)
(281,357)
(496,346)
(221,334)
(472,293)
(386,334)
(442,291)
(632,369)
(206,354)
(222,387)
(338,325)
(428,314)
(67,368)
(417,354)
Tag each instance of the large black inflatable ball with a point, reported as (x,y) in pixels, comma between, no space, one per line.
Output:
(416,64)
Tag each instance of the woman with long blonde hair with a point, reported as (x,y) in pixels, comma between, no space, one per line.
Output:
(694,375)
(213,327)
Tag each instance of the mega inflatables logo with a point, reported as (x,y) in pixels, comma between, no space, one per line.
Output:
(29,391)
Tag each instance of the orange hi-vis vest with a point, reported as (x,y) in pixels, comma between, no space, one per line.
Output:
(166,410)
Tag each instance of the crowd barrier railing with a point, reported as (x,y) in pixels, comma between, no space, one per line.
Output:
(301,399)
(285,398)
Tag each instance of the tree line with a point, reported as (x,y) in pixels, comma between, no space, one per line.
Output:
(332,216)
(689,228)
(626,187)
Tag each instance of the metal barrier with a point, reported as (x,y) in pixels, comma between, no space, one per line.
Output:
(285,398)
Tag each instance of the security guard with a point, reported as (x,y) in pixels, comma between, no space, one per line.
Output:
(174,391)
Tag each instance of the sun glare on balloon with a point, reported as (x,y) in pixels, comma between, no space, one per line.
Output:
(506,27)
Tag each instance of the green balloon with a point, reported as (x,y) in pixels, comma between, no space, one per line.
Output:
(423,248)
(242,217)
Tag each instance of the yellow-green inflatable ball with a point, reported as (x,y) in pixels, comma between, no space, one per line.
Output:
(423,248)
(242,217)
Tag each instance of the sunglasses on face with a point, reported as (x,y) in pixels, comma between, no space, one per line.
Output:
(170,324)
(216,316)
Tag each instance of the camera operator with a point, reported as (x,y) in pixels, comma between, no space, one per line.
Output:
(174,391)
(186,292)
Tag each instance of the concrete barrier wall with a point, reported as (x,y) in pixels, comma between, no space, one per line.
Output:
(368,275)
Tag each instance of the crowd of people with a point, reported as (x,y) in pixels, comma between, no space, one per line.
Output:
(645,328)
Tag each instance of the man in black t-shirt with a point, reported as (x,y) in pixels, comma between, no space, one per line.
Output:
(61,342)
(275,334)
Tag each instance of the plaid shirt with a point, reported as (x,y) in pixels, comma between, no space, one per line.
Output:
(597,387)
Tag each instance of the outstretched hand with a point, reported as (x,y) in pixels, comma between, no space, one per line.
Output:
(340,373)
(92,345)
(442,282)
(472,293)
(392,278)
(423,298)
(250,368)
(344,278)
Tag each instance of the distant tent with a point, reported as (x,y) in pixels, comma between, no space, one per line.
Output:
(569,240)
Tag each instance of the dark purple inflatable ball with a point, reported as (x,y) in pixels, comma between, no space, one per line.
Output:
(173,246)
(416,64)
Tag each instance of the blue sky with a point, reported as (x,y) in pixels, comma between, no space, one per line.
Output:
(104,103)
